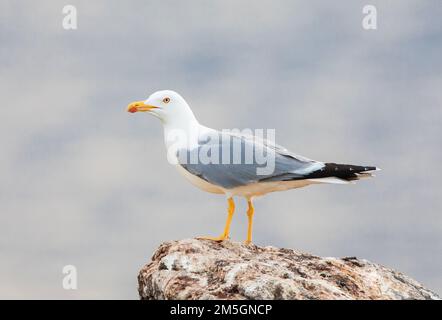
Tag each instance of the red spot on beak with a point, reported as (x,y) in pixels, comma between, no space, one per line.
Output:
(133,110)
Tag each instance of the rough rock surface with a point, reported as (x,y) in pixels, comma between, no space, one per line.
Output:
(204,269)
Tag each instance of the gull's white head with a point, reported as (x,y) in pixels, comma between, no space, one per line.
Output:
(167,105)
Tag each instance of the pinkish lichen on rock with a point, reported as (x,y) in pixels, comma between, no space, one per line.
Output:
(204,269)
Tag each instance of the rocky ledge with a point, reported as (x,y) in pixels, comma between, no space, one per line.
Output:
(204,269)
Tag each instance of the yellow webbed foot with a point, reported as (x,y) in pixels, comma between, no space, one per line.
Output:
(225,235)
(220,238)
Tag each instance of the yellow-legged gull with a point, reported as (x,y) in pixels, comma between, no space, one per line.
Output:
(193,148)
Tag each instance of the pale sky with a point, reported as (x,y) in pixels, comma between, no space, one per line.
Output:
(85,183)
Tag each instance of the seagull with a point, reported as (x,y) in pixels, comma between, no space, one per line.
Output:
(185,138)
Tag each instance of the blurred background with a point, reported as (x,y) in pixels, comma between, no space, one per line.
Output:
(83,182)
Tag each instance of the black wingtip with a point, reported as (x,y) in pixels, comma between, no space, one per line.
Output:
(343,171)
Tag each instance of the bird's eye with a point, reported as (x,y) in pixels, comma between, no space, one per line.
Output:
(166,100)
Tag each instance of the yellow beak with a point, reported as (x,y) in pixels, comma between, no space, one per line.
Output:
(139,106)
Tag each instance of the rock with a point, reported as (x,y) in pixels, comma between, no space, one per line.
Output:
(204,269)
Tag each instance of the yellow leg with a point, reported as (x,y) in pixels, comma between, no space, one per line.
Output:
(250,212)
(225,235)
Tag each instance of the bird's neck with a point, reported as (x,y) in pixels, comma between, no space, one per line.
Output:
(182,133)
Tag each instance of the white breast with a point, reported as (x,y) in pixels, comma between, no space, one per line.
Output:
(198,182)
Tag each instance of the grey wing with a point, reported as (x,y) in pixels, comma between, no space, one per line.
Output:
(248,162)
(270,144)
